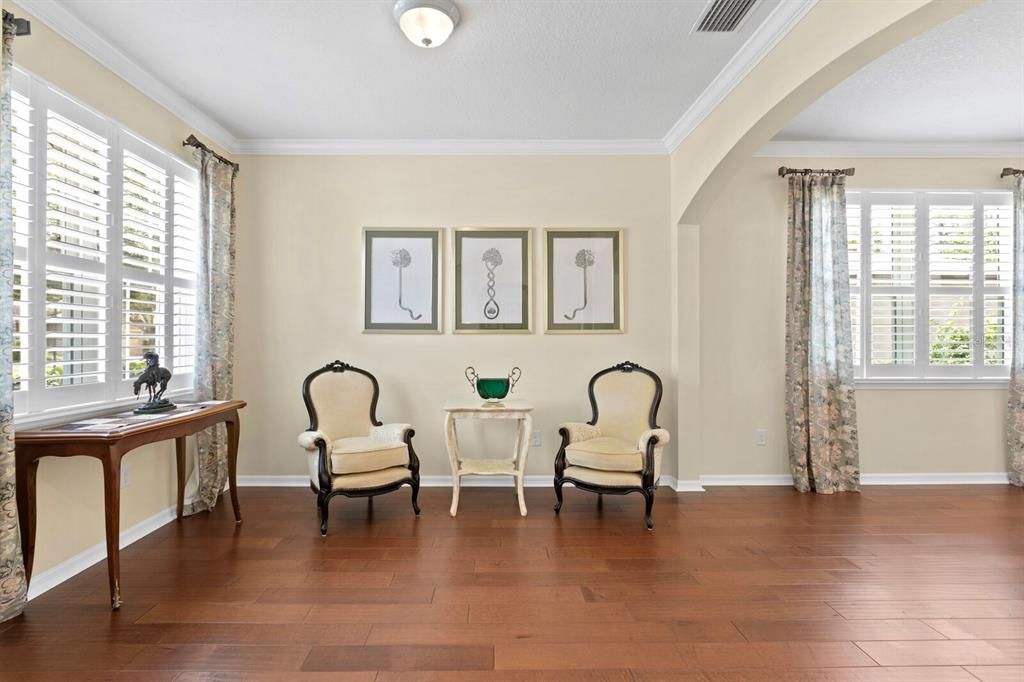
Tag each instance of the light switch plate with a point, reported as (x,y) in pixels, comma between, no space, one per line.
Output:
(761,437)
(535,439)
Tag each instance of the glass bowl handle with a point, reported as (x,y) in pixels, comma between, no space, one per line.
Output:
(514,376)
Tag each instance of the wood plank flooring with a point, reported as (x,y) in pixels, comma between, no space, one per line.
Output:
(896,584)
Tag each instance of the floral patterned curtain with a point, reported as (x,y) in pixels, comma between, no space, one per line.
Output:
(215,320)
(12,568)
(1015,406)
(821,410)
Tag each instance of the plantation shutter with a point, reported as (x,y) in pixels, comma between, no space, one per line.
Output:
(186,240)
(997,275)
(144,252)
(892,282)
(932,273)
(77,226)
(22,204)
(950,280)
(855,255)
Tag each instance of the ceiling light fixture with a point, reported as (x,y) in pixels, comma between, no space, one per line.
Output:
(426,23)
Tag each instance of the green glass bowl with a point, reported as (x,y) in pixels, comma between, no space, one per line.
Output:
(492,389)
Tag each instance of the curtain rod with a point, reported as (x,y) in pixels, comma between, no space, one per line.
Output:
(22,27)
(193,141)
(1011,171)
(783,171)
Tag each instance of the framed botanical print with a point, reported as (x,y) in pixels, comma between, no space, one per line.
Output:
(584,281)
(492,279)
(401,280)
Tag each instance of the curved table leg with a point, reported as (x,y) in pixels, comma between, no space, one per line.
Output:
(179,452)
(522,451)
(452,442)
(233,426)
(25,484)
(112,500)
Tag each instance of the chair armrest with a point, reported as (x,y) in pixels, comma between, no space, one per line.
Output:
(661,434)
(308,441)
(652,443)
(390,433)
(579,431)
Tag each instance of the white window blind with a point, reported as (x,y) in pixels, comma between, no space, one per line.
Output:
(931,273)
(186,244)
(21,201)
(77,187)
(97,281)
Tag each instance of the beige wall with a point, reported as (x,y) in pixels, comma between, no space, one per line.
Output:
(70,503)
(742,316)
(299,300)
(299,289)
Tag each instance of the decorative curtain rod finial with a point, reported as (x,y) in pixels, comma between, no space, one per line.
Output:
(193,141)
(1011,171)
(22,27)
(783,171)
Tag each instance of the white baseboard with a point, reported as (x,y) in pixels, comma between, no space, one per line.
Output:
(273,481)
(746,479)
(51,577)
(681,486)
(993,478)
(531,481)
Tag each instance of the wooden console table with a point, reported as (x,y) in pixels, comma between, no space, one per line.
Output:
(108,439)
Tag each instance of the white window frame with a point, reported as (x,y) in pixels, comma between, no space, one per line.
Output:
(40,404)
(922,375)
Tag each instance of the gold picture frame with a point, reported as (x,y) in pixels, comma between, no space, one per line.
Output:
(605,316)
(484,295)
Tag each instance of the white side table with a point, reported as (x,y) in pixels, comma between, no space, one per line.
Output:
(515,466)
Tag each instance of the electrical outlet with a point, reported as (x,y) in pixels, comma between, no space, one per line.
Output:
(126,475)
(761,437)
(535,439)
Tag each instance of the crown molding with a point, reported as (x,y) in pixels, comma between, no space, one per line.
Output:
(786,15)
(72,29)
(892,150)
(774,28)
(450,147)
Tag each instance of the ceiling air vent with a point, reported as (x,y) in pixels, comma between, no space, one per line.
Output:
(723,15)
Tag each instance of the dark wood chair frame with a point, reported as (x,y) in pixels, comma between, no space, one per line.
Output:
(324,478)
(647,482)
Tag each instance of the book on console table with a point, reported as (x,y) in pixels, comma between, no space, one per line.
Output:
(123,420)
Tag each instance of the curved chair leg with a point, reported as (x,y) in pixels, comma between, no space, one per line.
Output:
(415,495)
(649,499)
(323,514)
(600,501)
(558,494)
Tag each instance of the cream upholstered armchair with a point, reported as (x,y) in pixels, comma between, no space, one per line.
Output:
(619,450)
(349,452)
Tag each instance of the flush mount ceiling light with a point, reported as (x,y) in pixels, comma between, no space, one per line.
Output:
(426,23)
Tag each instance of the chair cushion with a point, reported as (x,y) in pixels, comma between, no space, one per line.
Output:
(361,453)
(613,479)
(605,453)
(370,479)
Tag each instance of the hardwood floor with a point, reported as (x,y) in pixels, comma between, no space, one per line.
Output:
(896,584)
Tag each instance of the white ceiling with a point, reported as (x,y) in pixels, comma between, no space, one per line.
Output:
(523,70)
(963,81)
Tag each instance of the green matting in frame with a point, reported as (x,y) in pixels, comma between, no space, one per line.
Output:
(584,280)
(402,280)
(492,278)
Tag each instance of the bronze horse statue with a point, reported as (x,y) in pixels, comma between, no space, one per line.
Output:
(155,379)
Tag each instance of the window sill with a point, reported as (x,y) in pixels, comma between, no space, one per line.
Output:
(60,415)
(931,384)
